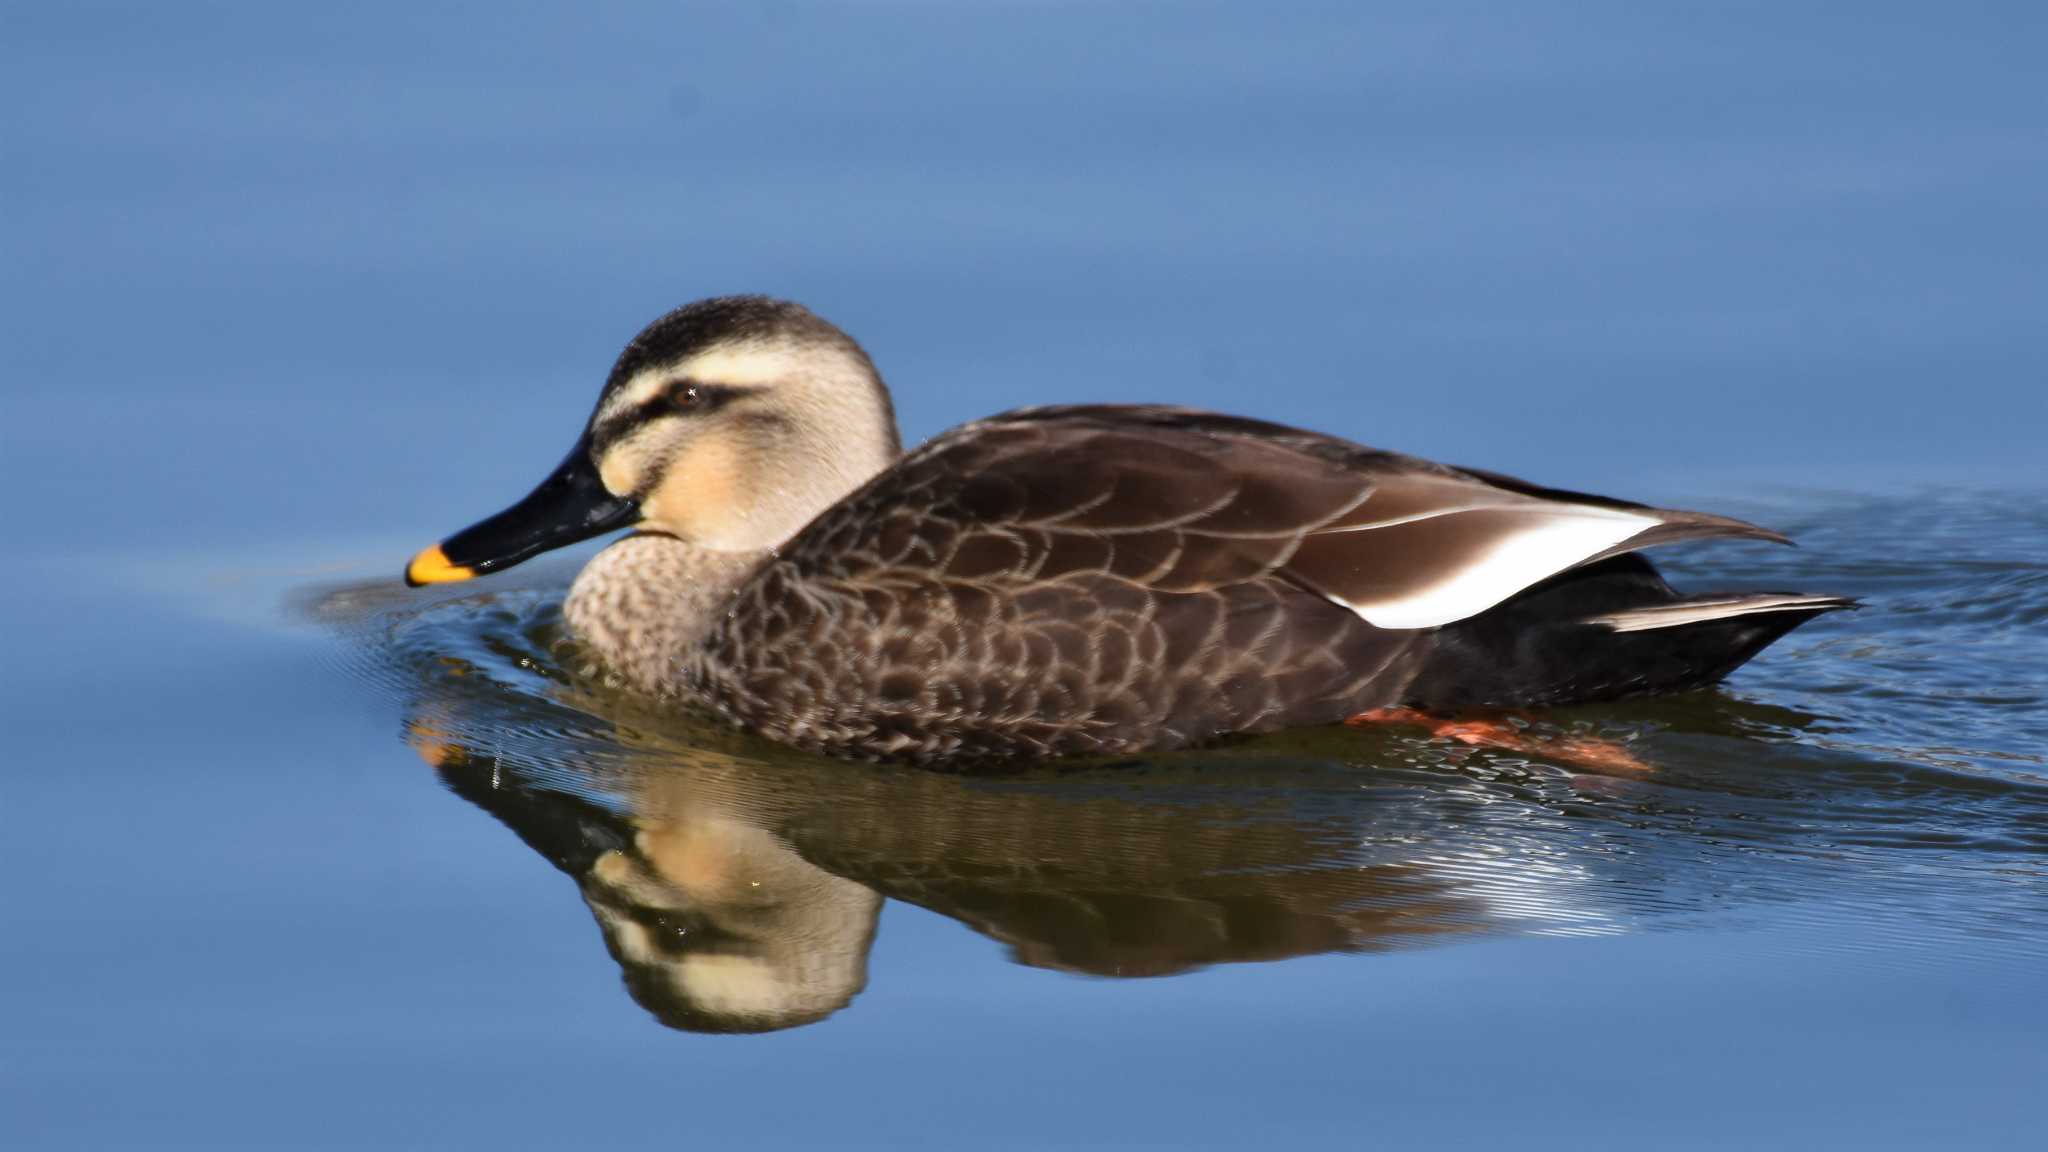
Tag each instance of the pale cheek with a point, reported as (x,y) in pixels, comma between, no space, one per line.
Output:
(698,499)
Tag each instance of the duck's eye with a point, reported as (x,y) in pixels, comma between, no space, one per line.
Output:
(688,397)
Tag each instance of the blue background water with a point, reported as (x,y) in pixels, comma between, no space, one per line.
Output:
(289,292)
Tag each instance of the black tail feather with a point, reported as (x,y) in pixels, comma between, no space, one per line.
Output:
(1545,647)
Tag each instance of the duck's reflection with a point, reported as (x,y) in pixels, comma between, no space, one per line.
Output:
(715,923)
(743,895)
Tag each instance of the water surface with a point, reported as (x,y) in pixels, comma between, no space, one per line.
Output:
(294,857)
(423,856)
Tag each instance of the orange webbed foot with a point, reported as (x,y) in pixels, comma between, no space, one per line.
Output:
(1606,757)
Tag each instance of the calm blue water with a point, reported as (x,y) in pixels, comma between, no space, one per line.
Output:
(295,857)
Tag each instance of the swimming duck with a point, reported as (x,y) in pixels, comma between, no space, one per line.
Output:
(1086,579)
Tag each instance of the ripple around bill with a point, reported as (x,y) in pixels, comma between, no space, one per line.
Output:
(1876,780)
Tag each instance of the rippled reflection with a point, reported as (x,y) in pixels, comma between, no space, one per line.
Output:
(740,892)
(738,886)
(716,921)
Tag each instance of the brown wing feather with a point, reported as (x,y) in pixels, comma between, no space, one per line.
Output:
(1107,578)
(1677,525)
(1360,526)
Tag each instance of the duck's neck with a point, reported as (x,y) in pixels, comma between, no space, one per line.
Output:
(645,603)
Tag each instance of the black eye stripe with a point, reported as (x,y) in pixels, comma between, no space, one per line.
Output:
(677,398)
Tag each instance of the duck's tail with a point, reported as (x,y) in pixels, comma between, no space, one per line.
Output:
(1602,632)
(1707,609)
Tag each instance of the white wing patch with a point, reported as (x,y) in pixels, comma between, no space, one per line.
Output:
(1556,537)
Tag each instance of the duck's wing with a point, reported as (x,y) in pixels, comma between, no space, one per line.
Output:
(1180,500)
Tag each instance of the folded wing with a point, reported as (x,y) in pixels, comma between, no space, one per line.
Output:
(1178,500)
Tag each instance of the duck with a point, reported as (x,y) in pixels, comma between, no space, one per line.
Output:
(1094,580)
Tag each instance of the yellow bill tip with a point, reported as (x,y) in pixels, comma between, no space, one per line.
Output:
(432,566)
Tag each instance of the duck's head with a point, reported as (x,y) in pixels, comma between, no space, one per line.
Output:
(728,423)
